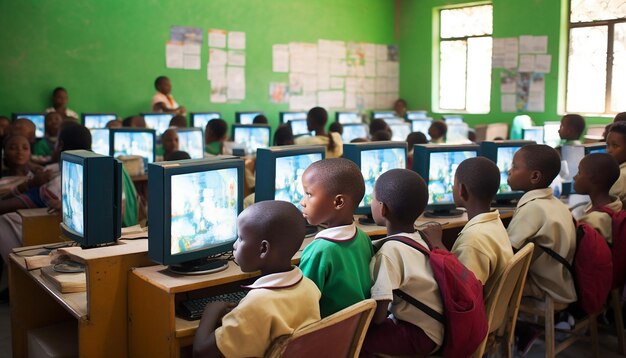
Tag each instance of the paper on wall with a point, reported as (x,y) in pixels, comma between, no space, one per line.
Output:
(542,63)
(370,68)
(381,68)
(370,52)
(219,90)
(280,58)
(296,84)
(369,100)
(381,53)
(338,67)
(236,83)
(507,103)
(533,44)
(369,85)
(393,85)
(216,72)
(174,55)
(351,85)
(381,85)
(393,69)
(191,62)
(217,38)
(507,82)
(526,63)
(236,58)
(279,92)
(331,49)
(497,53)
(303,57)
(323,82)
(302,102)
(309,83)
(536,102)
(511,46)
(336,82)
(218,57)
(330,99)
(237,40)
(351,101)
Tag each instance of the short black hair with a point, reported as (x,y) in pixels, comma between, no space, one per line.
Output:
(58,89)
(260,119)
(218,127)
(480,176)
(576,122)
(128,121)
(543,158)
(404,192)
(620,117)
(158,80)
(317,116)
(74,136)
(618,127)
(400,100)
(381,136)
(416,138)
(340,176)
(441,126)
(378,124)
(177,155)
(178,121)
(604,169)
(336,127)
(283,135)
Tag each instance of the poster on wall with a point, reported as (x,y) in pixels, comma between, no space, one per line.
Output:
(226,66)
(183,49)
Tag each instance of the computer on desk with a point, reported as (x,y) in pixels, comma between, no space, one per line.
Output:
(200,119)
(399,131)
(352,131)
(39,119)
(192,212)
(572,155)
(421,125)
(383,114)
(100,140)
(133,141)
(160,122)
(595,133)
(348,117)
(437,165)
(413,115)
(246,117)
(191,140)
(285,117)
(534,134)
(551,135)
(252,136)
(97,120)
(299,127)
(374,159)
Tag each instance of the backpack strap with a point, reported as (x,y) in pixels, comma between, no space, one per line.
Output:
(559,258)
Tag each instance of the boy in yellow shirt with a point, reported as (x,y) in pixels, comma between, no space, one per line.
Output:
(616,146)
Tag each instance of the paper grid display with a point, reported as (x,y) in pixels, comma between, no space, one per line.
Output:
(226,66)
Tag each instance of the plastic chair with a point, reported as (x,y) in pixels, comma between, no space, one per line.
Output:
(503,305)
(338,335)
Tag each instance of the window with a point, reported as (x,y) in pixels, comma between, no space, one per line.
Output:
(465,58)
(597,57)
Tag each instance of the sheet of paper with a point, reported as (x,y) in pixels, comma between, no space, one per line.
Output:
(369,85)
(338,67)
(507,103)
(511,46)
(336,82)
(236,58)
(381,53)
(279,92)
(381,85)
(174,55)
(303,57)
(538,44)
(216,72)
(536,102)
(236,83)
(381,68)
(330,99)
(331,49)
(369,101)
(382,101)
(296,84)
(191,62)
(217,38)
(352,85)
(526,63)
(370,68)
(498,53)
(280,58)
(302,102)
(542,63)
(219,91)
(191,48)
(507,82)
(526,44)
(236,40)
(218,57)
(350,100)
(393,69)
(323,82)
(393,85)
(309,83)
(370,51)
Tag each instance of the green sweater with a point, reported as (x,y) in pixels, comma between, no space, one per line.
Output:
(43,148)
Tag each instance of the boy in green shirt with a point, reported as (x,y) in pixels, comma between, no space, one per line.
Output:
(214,136)
(45,146)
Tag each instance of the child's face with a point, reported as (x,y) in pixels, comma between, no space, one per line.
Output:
(317,205)
(565,130)
(59,99)
(53,123)
(247,249)
(138,122)
(17,152)
(170,141)
(519,174)
(434,133)
(616,146)
(582,180)
(165,86)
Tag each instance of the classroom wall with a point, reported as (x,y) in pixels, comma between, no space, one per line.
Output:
(511,18)
(108,53)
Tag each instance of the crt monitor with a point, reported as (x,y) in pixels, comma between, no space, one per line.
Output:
(452,118)
(285,117)
(421,125)
(534,134)
(374,159)
(252,136)
(352,131)
(399,131)
(437,165)
(246,117)
(501,152)
(394,120)
(573,154)
(200,119)
(160,122)
(39,119)
(551,135)
(91,197)
(97,120)
(100,140)
(299,127)
(348,117)
(383,114)
(412,115)
(192,210)
(191,140)
(132,141)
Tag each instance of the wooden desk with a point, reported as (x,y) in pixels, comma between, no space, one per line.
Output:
(100,312)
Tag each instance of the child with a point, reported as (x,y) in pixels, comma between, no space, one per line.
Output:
(45,146)
(437,131)
(543,219)
(114,123)
(336,127)
(163,101)
(572,128)
(316,122)
(279,302)
(620,117)
(59,103)
(169,140)
(283,135)
(379,124)
(134,122)
(597,172)
(215,135)
(483,245)
(178,121)
(381,136)
(260,119)
(16,157)
(616,146)
(399,198)
(338,259)
(177,155)
(400,107)
(24,127)
(5,124)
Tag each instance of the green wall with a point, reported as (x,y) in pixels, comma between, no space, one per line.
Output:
(108,53)
(511,18)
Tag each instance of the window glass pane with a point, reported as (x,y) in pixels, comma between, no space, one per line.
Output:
(467,21)
(589,10)
(478,74)
(586,72)
(452,59)
(618,83)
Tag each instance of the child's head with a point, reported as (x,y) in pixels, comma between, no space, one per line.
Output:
(177,155)
(378,124)
(437,129)
(336,127)
(616,141)
(359,140)
(114,123)
(572,127)
(415,138)
(260,119)
(620,117)
(16,151)
(476,181)
(215,131)
(270,233)
(381,136)
(72,136)
(316,119)
(333,189)
(163,85)
(534,167)
(169,140)
(53,123)
(59,97)
(597,172)
(400,106)
(178,121)
(400,196)
(283,135)
(134,122)
(24,127)
(5,124)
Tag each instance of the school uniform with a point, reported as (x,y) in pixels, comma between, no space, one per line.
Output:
(43,147)
(277,304)
(68,112)
(323,140)
(602,221)
(543,219)
(338,262)
(168,100)
(619,188)
(441,140)
(399,266)
(483,246)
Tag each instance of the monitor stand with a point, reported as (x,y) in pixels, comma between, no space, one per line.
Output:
(199,266)
(367,220)
(446,213)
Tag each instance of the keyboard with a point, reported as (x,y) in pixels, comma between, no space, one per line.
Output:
(193,309)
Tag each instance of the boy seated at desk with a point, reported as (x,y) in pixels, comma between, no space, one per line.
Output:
(215,135)
(279,302)
(45,146)
(616,146)
(572,128)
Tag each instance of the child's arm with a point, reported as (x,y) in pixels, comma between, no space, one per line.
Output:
(204,344)
(380,315)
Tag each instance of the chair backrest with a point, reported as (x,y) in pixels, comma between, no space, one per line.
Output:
(338,335)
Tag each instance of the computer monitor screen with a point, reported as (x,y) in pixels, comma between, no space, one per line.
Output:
(501,152)
(98,120)
(191,140)
(39,119)
(573,154)
(534,134)
(353,131)
(199,120)
(160,122)
(399,131)
(285,117)
(504,163)
(100,140)
(127,141)
(289,172)
(246,117)
(551,135)
(383,114)
(394,120)
(451,118)
(421,125)
(72,201)
(252,136)
(299,127)
(413,115)
(348,117)
(457,133)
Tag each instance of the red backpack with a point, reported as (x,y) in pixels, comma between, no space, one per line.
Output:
(464,319)
(592,269)
(618,247)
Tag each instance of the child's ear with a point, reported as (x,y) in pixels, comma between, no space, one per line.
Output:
(264,249)
(535,177)
(384,210)
(463,192)
(339,202)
